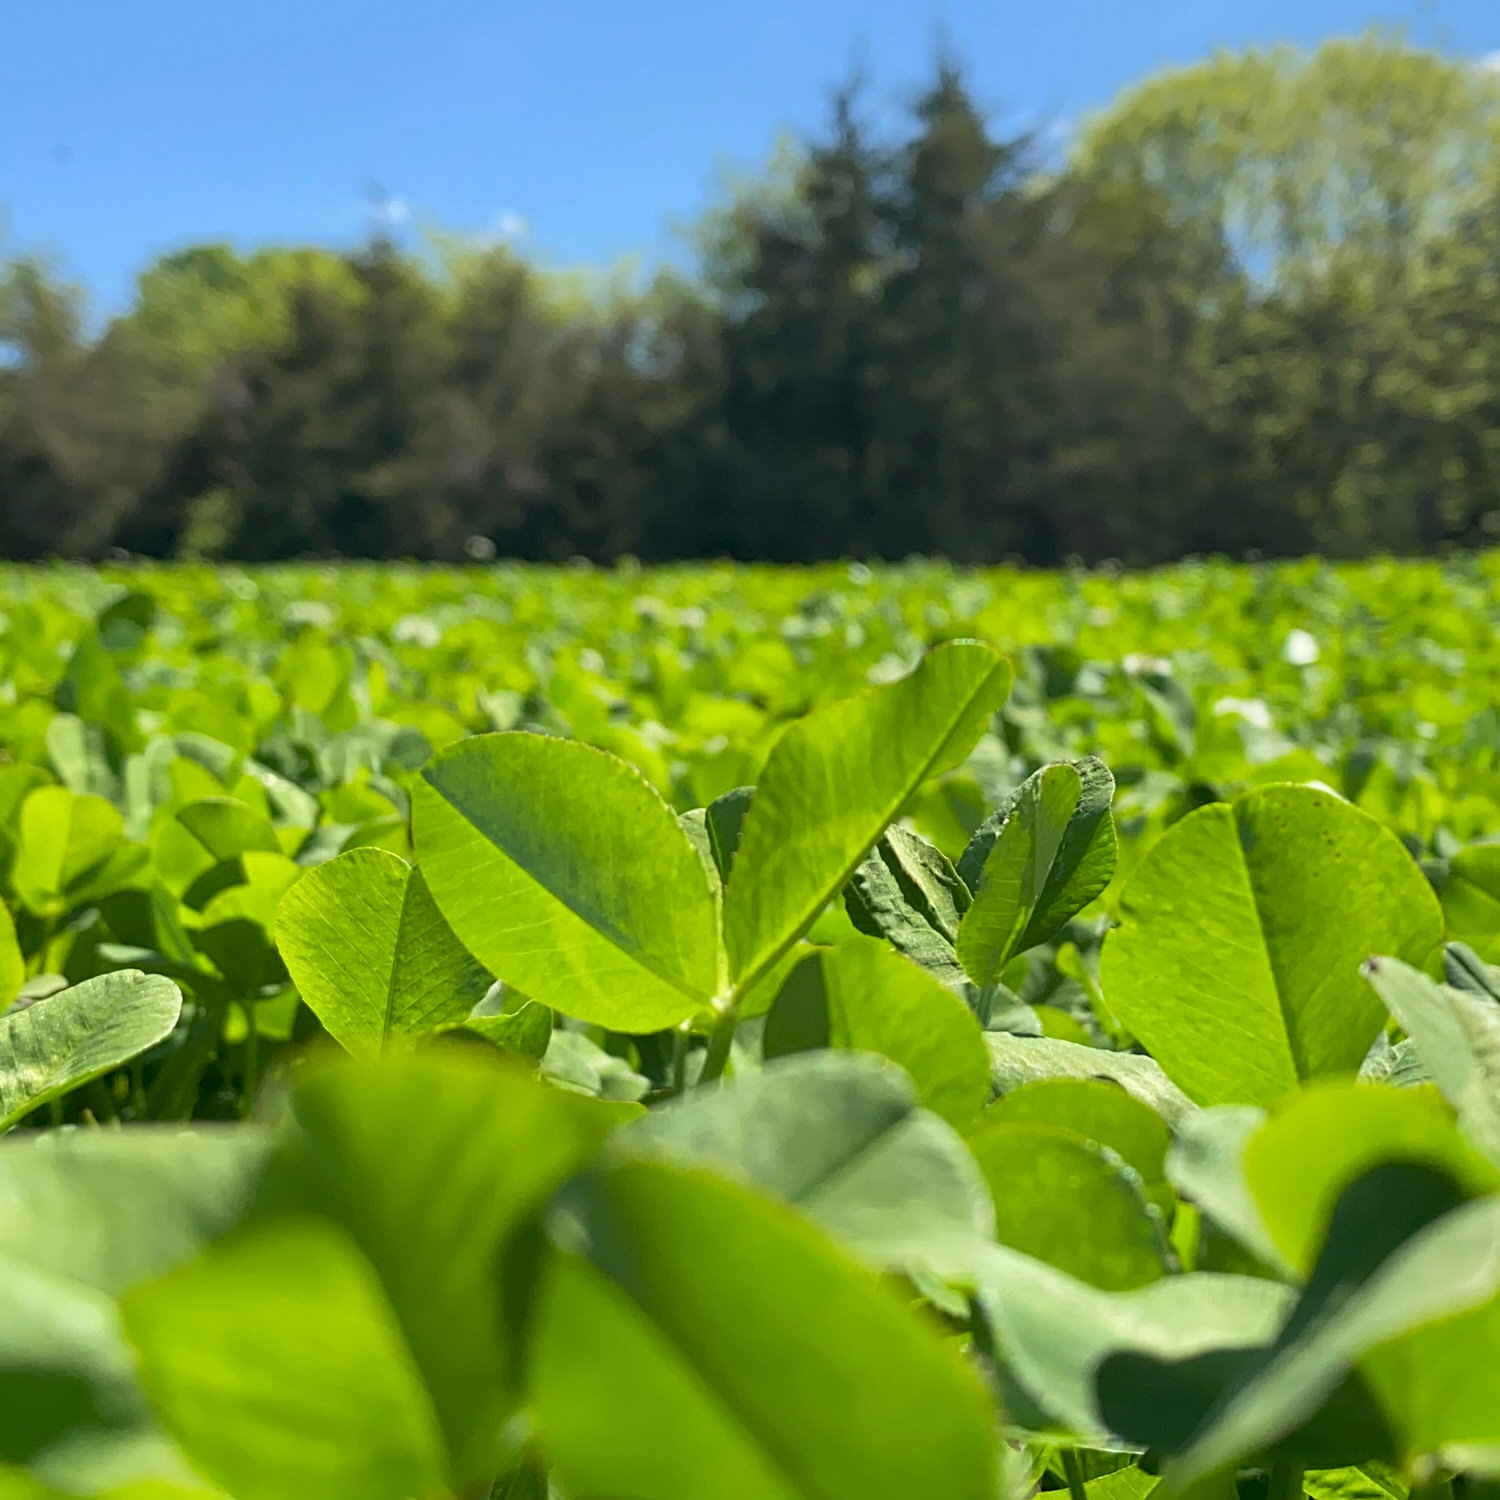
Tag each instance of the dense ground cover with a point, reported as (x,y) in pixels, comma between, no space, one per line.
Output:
(910,1033)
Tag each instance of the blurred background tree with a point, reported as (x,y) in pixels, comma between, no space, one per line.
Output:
(1347,352)
(1256,306)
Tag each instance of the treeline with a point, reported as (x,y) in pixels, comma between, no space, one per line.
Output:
(1256,308)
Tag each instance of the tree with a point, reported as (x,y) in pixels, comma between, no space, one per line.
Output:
(1257,308)
(1351,193)
(84,427)
(961,355)
(1359,155)
(800,276)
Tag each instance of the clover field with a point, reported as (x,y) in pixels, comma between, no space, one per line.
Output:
(832,1034)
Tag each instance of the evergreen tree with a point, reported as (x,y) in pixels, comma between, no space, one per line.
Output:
(802,357)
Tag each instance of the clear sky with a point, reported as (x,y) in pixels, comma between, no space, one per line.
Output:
(129,127)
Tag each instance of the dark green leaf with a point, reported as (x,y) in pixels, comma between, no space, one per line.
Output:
(906,892)
(1036,864)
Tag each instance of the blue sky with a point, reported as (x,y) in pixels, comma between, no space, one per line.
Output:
(129,127)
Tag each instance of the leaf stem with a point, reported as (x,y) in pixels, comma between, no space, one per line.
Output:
(175,1089)
(1285,1479)
(1073,1470)
(252,1061)
(720,1039)
(984,1006)
(680,1040)
(1437,1487)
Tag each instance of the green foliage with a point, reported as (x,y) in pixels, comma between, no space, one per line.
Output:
(371,954)
(831,786)
(906,890)
(1237,961)
(663,1367)
(1298,1165)
(1035,864)
(1102,1113)
(1362,152)
(1458,1039)
(279,1370)
(637,1184)
(451,1196)
(1060,1336)
(610,918)
(57,1044)
(843,1138)
(862,997)
(1254,307)
(12,960)
(1064,1200)
(1340,205)
(107,1209)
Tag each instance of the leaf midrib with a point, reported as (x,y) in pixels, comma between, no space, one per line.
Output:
(1288,1023)
(637,957)
(747,981)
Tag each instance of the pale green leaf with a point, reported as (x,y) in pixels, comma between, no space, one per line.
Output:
(73,1410)
(431,1163)
(672,1357)
(1206,1165)
(572,1061)
(1457,1036)
(1300,1161)
(1019,1060)
(56,1044)
(863,997)
(1055,1332)
(84,1215)
(109,1208)
(1237,961)
(277,1364)
(562,870)
(832,784)
(840,1136)
(1465,970)
(371,954)
(1449,1268)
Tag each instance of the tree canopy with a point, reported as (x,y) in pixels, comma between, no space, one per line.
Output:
(1256,306)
